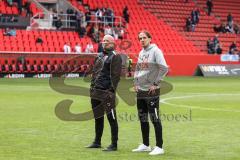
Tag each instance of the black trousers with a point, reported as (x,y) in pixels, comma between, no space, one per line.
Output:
(149,106)
(105,106)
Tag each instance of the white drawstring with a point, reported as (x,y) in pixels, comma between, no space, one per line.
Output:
(156,112)
(112,113)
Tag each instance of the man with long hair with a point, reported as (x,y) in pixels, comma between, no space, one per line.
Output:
(150,69)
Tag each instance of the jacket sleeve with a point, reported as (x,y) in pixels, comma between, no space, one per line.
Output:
(91,68)
(135,80)
(137,68)
(162,66)
(116,68)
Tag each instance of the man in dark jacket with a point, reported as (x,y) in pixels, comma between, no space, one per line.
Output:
(209,6)
(105,77)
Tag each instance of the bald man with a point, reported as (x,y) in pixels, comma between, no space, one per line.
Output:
(105,77)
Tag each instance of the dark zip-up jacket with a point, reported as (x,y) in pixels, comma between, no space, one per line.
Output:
(106,71)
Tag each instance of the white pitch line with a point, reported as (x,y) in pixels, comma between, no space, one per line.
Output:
(197,107)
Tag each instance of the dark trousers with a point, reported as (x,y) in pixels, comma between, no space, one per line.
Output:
(99,108)
(209,11)
(150,106)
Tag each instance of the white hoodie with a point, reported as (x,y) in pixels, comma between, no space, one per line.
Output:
(151,68)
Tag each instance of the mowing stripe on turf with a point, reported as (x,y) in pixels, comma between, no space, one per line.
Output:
(164,101)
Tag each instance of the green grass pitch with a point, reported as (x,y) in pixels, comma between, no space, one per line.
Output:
(200,117)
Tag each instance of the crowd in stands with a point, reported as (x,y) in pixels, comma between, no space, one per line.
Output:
(192,21)
(96,31)
(228,27)
(104,15)
(56,19)
(94,24)
(214,46)
(103,23)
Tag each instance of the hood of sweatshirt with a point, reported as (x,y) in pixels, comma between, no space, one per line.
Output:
(150,47)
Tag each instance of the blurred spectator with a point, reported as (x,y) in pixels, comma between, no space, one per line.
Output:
(188,24)
(192,21)
(214,46)
(110,16)
(19,4)
(236,29)
(39,40)
(121,33)
(99,14)
(108,30)
(233,48)
(67,48)
(82,31)
(89,48)
(229,28)
(90,31)
(216,28)
(221,28)
(197,13)
(215,42)
(27,7)
(218,49)
(78,48)
(230,20)
(209,6)
(79,16)
(10,32)
(115,32)
(210,46)
(94,33)
(126,14)
(10,3)
(59,23)
(87,17)
(100,48)
(54,16)
(194,17)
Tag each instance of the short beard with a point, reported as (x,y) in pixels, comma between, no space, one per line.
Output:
(109,49)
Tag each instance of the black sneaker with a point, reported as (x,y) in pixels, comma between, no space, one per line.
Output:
(111,147)
(94,145)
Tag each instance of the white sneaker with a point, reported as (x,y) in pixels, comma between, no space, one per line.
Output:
(142,148)
(157,151)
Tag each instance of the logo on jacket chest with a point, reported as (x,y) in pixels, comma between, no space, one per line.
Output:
(144,61)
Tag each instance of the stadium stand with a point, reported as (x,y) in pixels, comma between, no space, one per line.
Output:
(169,40)
(175,13)
(5,9)
(164,19)
(78,5)
(53,41)
(222,8)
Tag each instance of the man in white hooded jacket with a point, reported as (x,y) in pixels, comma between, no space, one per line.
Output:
(150,69)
